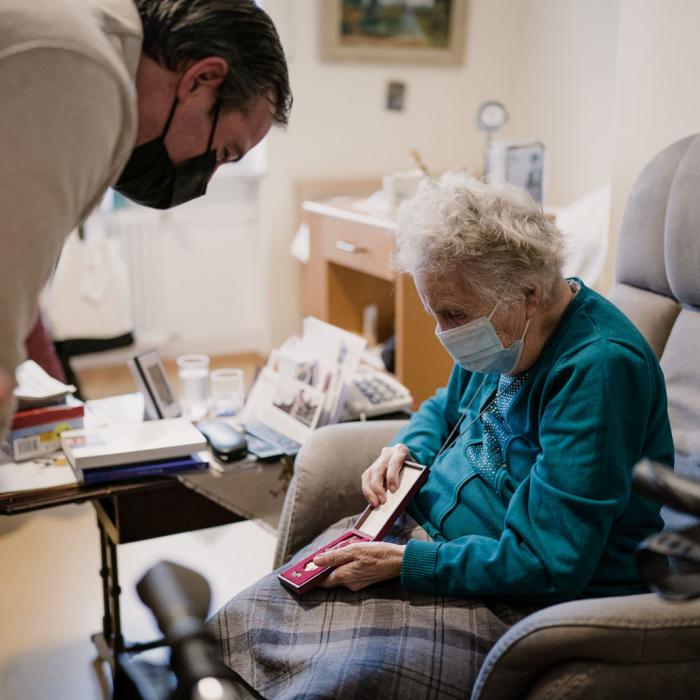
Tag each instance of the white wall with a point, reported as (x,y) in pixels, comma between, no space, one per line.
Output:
(550,61)
(565,90)
(604,83)
(340,128)
(657,97)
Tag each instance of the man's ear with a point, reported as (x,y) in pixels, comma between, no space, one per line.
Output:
(206,75)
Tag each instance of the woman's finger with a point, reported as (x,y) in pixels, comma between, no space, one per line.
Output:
(366,486)
(376,481)
(331,581)
(398,457)
(373,478)
(337,557)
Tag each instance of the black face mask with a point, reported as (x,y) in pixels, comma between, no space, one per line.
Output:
(152,179)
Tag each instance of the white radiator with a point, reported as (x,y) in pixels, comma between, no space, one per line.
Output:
(146,248)
(197,272)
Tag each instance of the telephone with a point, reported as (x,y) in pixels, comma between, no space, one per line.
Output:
(375,393)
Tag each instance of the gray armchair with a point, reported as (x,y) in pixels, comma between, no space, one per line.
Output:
(602,648)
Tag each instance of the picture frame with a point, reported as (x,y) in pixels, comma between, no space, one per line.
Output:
(159,398)
(394,31)
(519,163)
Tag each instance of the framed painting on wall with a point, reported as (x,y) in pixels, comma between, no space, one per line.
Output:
(394,31)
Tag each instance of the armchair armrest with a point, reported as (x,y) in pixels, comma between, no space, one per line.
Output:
(326,482)
(638,645)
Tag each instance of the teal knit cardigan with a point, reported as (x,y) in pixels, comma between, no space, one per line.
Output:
(559,520)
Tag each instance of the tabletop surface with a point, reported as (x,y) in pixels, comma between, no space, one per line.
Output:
(249,488)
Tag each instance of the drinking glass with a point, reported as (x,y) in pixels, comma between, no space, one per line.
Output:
(193,373)
(226,391)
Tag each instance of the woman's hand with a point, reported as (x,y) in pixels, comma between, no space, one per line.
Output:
(361,565)
(383,473)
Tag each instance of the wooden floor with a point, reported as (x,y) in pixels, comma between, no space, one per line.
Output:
(51,601)
(100,382)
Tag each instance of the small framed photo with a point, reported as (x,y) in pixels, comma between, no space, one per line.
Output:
(149,373)
(394,31)
(517,163)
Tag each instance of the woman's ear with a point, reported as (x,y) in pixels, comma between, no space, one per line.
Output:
(533,297)
(204,76)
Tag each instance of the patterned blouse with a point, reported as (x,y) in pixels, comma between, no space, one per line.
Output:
(487,456)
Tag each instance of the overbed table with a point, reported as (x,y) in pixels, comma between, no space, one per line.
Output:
(139,510)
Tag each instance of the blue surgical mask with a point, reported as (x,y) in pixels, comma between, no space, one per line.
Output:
(476,347)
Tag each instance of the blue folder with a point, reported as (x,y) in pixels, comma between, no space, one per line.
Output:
(128,472)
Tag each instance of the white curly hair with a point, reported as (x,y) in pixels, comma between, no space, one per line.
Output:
(497,237)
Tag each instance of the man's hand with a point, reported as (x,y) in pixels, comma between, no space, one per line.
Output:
(5,391)
(360,565)
(383,473)
(5,403)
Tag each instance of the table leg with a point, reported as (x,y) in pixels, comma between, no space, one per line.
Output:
(110,642)
(104,576)
(114,593)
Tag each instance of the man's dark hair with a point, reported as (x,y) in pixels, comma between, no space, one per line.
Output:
(178,31)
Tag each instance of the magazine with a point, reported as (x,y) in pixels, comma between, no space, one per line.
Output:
(306,380)
(326,358)
(288,406)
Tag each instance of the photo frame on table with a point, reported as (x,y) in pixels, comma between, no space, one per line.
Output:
(431,32)
(159,398)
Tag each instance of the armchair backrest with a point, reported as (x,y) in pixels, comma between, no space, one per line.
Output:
(658,284)
(573,649)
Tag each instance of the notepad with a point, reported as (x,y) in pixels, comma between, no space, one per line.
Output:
(131,444)
(35,475)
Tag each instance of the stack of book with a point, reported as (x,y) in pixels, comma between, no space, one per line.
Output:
(46,408)
(49,419)
(36,432)
(153,448)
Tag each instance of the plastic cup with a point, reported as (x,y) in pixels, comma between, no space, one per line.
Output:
(227,391)
(193,373)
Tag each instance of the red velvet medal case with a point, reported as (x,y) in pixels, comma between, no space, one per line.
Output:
(371,526)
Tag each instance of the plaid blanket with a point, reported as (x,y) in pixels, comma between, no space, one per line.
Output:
(382,642)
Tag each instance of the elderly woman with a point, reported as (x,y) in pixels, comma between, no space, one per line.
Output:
(553,398)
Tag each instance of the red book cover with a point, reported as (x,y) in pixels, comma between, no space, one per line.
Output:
(46,415)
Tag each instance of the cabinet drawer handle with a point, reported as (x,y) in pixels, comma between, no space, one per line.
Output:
(347,247)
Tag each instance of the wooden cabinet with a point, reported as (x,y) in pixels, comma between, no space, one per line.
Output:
(350,266)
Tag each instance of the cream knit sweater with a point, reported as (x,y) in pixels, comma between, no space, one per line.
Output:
(68,122)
